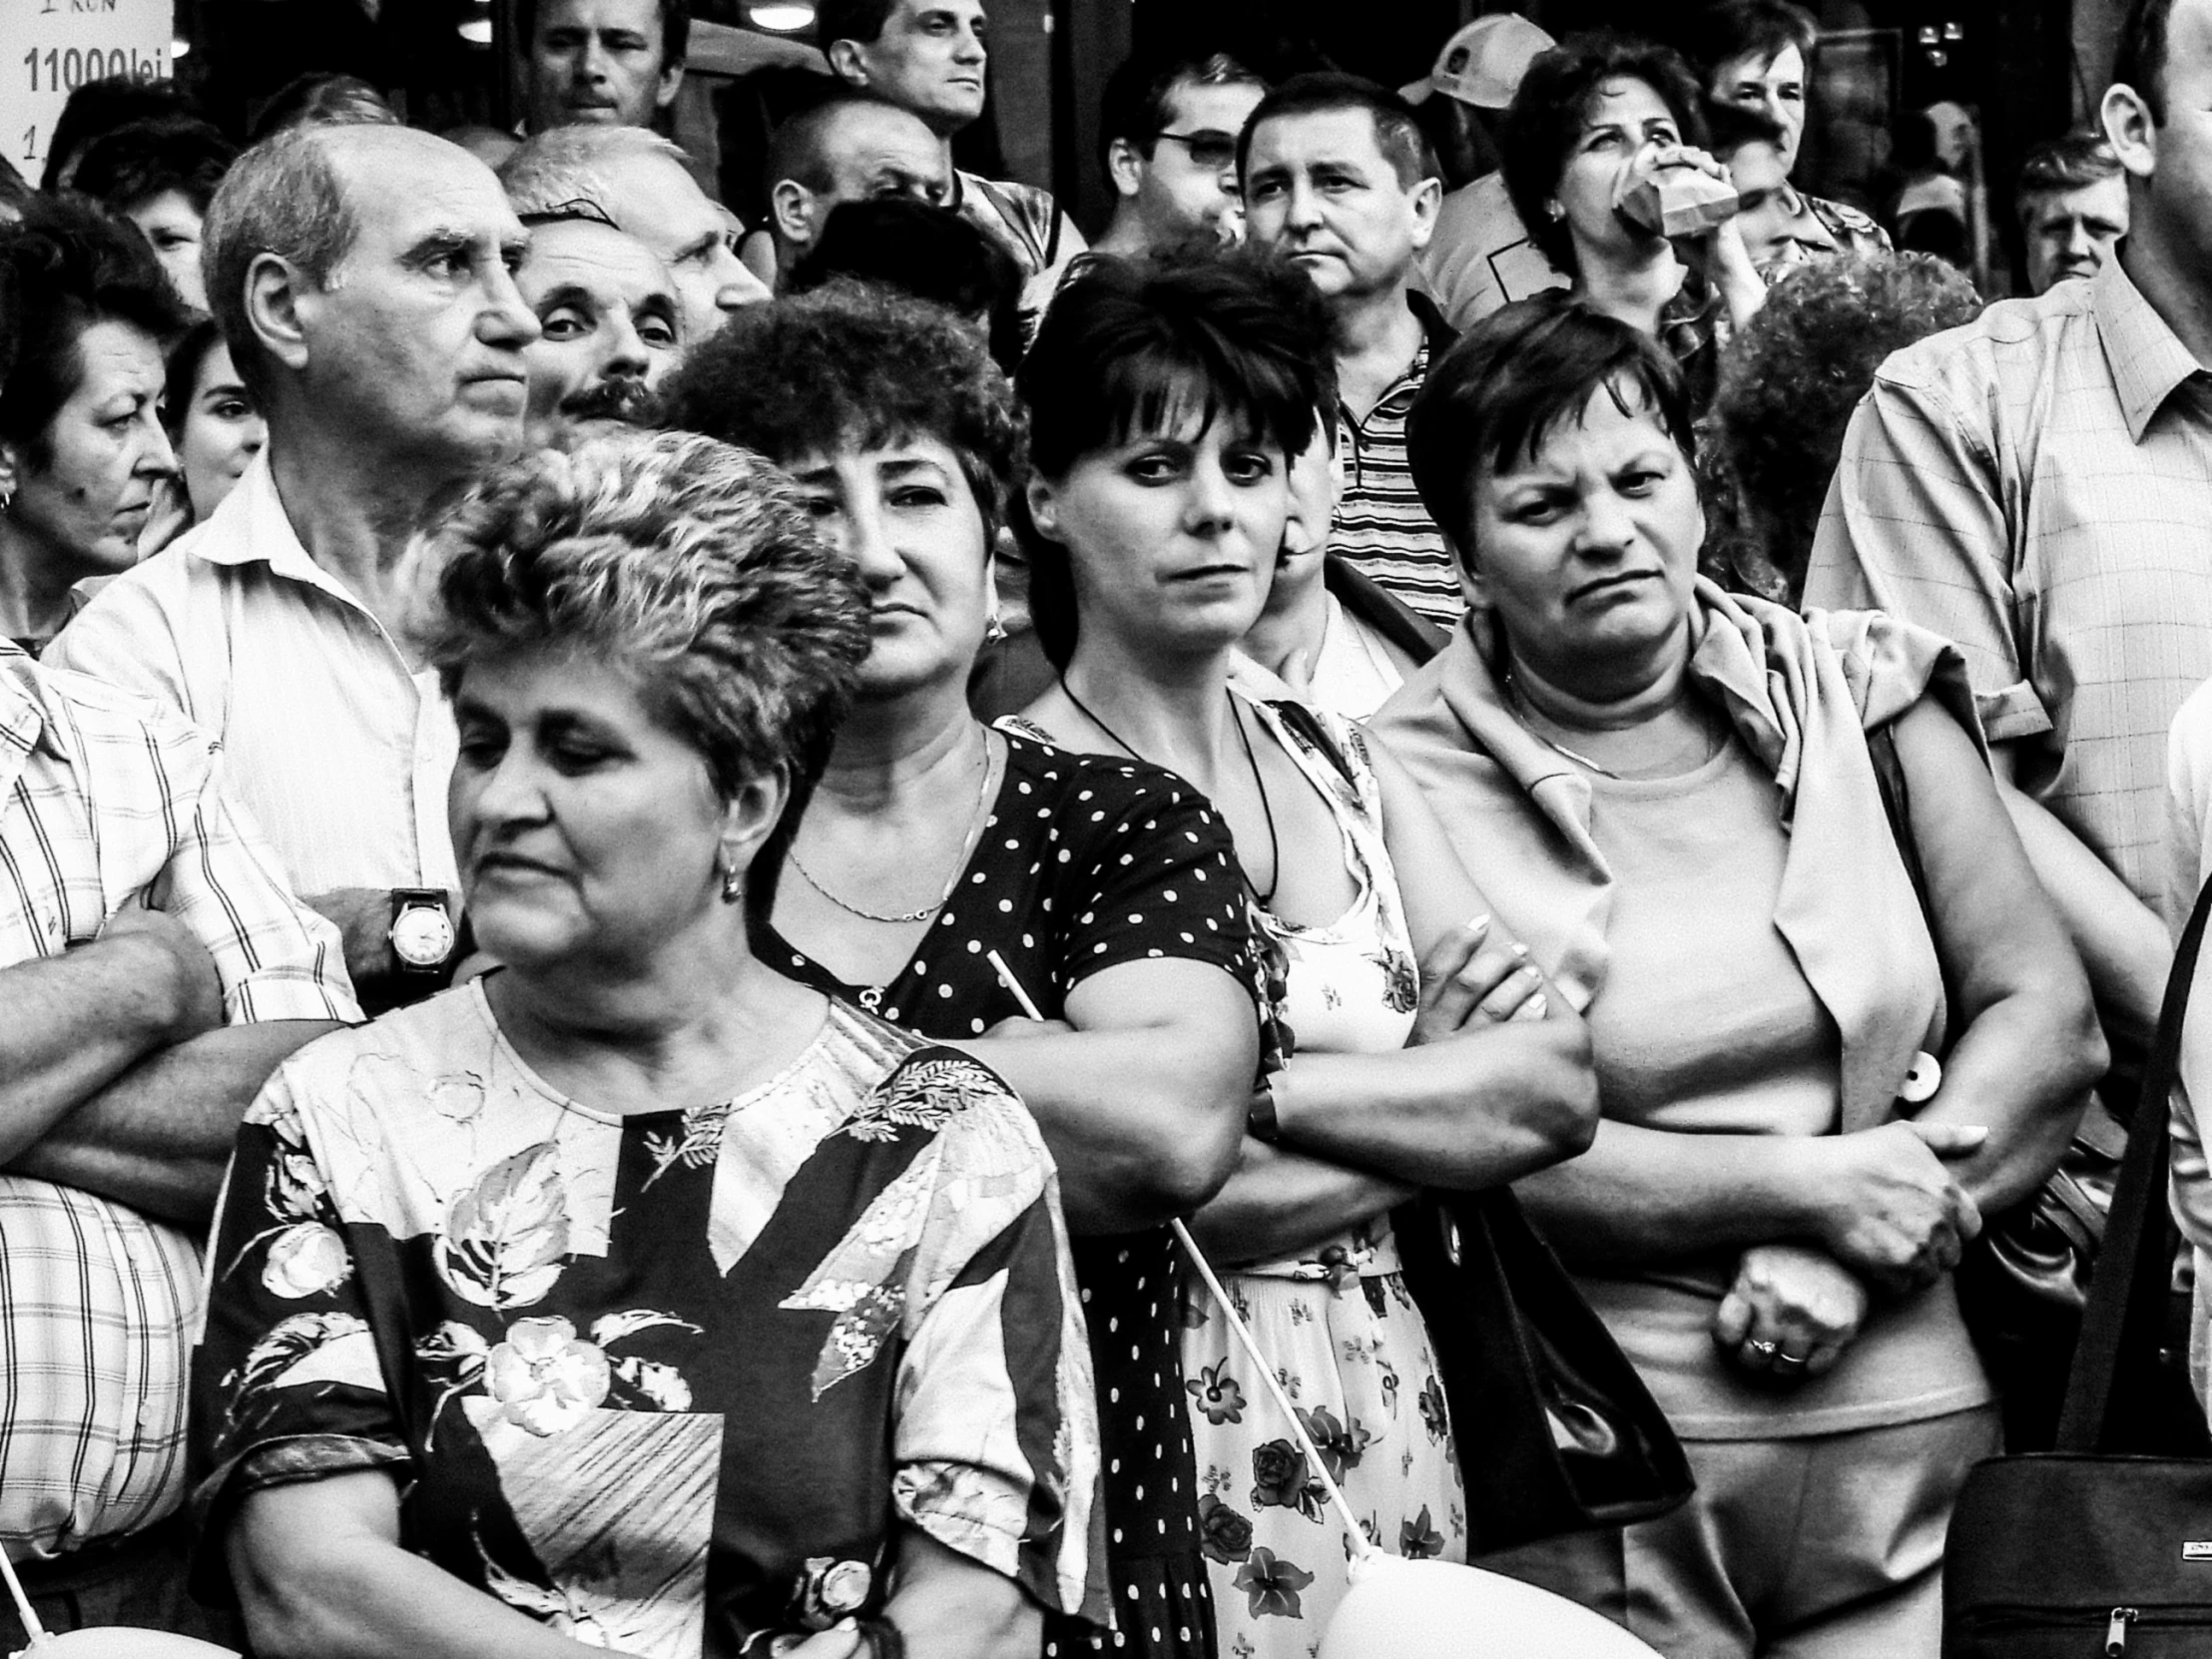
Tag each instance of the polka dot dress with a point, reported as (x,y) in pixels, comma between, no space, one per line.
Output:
(1087,862)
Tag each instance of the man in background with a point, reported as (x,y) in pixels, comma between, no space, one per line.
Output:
(1168,137)
(1480,257)
(851,147)
(601,63)
(608,324)
(930,56)
(2072,203)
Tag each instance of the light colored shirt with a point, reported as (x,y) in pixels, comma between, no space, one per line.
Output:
(1354,673)
(2188,868)
(2037,487)
(103,800)
(337,747)
(1480,257)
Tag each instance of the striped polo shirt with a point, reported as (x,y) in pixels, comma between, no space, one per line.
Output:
(1382,529)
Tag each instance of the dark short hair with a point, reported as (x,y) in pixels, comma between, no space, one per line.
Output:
(181,371)
(322,98)
(861,20)
(1398,131)
(1762,29)
(1730,128)
(1500,393)
(1545,119)
(2073,160)
(2140,61)
(926,252)
(674,28)
(1131,346)
(140,160)
(101,106)
(849,366)
(69,266)
(280,196)
(1135,104)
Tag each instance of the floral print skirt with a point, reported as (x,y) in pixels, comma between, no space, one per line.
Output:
(1355,1358)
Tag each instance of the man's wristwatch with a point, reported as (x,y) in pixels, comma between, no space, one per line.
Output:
(422,934)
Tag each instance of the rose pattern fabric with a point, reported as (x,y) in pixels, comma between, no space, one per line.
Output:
(560,1335)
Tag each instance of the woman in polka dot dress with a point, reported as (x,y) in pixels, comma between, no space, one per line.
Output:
(1162,401)
(933,844)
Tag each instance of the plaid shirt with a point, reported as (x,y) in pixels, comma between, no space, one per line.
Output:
(2037,487)
(100,801)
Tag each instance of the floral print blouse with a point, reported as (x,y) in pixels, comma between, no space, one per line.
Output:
(665,1382)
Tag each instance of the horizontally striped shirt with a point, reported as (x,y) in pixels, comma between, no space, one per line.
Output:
(2037,487)
(103,802)
(1381,528)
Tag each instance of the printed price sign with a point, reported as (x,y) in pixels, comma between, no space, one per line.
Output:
(49,48)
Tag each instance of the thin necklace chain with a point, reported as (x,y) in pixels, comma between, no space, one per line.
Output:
(959,864)
(1529,715)
(1258,781)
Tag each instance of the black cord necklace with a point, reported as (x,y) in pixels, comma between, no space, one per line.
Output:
(1258,781)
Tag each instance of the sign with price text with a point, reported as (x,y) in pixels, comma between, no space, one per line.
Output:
(48,48)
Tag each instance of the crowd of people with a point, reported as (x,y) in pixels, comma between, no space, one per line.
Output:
(646,863)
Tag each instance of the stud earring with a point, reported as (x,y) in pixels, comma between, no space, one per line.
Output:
(1554,211)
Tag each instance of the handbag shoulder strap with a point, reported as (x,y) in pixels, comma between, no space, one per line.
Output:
(2122,1326)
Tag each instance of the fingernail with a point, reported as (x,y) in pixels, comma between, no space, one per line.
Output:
(1521,947)
(1478,923)
(1537,1007)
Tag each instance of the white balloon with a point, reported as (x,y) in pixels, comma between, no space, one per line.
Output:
(120,1642)
(1399,1610)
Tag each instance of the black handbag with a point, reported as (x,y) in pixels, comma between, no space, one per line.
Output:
(2023,1282)
(2103,1546)
(1556,1431)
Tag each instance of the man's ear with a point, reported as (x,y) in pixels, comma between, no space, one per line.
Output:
(848,62)
(2130,129)
(274,293)
(1428,196)
(672,78)
(1124,166)
(790,206)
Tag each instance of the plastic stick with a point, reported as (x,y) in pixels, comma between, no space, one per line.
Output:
(31,1626)
(1362,1545)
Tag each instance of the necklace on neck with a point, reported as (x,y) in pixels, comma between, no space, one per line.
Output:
(1258,781)
(1524,706)
(907,917)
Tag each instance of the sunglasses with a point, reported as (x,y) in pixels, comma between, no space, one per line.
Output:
(1212,151)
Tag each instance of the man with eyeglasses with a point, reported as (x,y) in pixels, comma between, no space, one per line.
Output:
(1168,139)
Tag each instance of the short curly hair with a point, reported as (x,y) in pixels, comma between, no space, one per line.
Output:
(1545,121)
(852,366)
(687,563)
(1789,384)
(66,266)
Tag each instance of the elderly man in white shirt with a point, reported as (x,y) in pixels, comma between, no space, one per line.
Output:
(363,275)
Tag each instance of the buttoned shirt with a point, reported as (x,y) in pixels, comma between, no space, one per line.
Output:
(104,801)
(336,747)
(2037,487)
(1382,529)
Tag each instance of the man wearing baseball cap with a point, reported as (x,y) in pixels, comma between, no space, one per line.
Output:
(1481,255)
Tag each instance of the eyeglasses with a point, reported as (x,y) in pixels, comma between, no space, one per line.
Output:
(1210,151)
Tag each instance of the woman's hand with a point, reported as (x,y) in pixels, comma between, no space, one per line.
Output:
(1886,1206)
(1465,976)
(1790,1313)
(1717,254)
(841,1641)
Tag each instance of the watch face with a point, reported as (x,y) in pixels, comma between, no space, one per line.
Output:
(422,936)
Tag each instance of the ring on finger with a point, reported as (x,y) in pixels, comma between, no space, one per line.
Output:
(1765,1350)
(1789,1362)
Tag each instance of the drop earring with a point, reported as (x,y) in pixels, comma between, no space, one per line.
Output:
(732,885)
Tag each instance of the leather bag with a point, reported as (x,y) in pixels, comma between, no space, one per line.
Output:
(1556,1431)
(2103,1546)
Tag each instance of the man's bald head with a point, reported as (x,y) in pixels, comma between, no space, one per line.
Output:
(286,196)
(849,149)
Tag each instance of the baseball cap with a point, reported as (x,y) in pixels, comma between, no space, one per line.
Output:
(1483,63)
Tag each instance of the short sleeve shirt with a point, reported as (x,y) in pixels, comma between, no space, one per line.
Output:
(662,1381)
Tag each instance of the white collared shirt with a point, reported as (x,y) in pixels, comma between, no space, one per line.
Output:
(339,751)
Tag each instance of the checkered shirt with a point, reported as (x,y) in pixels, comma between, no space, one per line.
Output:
(103,800)
(2037,486)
